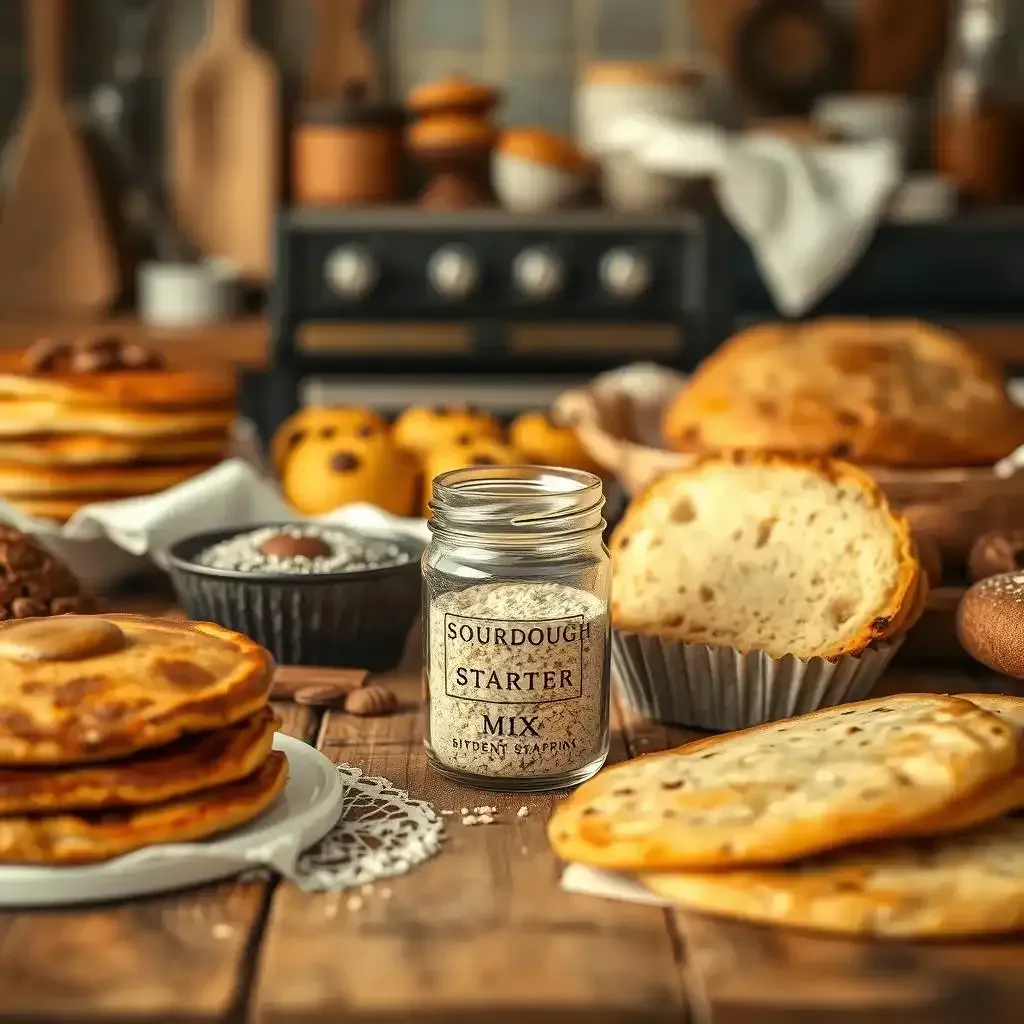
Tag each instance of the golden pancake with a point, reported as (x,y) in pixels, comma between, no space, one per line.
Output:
(18,418)
(80,688)
(97,450)
(45,481)
(84,838)
(188,765)
(59,509)
(168,389)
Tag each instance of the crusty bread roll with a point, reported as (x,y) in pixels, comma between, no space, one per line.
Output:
(765,553)
(877,392)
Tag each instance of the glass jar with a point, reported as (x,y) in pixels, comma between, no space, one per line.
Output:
(516,591)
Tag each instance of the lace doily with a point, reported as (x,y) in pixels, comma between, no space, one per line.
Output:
(382,832)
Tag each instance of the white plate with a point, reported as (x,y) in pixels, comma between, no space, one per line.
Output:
(304,813)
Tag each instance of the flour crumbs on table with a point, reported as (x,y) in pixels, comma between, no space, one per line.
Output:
(517,679)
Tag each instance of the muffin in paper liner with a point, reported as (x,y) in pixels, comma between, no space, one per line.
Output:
(720,689)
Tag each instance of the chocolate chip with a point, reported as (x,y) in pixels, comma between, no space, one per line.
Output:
(138,357)
(284,545)
(295,438)
(327,433)
(344,462)
(462,439)
(48,356)
(366,430)
(484,460)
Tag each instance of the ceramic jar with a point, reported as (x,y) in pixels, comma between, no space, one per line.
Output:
(348,152)
(536,171)
(609,91)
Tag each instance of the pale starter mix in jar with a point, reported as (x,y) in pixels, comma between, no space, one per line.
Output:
(516,590)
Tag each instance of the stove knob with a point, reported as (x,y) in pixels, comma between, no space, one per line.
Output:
(538,273)
(625,273)
(453,272)
(351,272)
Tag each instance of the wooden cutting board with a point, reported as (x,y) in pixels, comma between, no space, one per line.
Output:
(340,53)
(223,145)
(56,253)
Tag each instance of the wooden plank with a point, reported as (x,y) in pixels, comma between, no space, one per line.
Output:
(737,973)
(480,932)
(175,957)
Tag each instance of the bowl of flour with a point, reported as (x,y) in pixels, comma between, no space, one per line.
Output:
(311,593)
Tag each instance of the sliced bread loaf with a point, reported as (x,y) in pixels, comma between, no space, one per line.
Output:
(765,553)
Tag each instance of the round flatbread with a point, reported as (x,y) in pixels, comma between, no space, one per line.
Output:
(84,838)
(788,789)
(18,418)
(46,481)
(91,450)
(967,884)
(83,688)
(998,798)
(190,764)
(181,389)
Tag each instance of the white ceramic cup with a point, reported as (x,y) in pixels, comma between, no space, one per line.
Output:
(187,294)
(608,91)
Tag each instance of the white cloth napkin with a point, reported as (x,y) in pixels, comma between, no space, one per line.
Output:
(587,881)
(104,543)
(808,211)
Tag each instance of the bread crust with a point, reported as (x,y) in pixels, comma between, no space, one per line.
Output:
(1000,797)
(966,884)
(888,620)
(892,393)
(590,827)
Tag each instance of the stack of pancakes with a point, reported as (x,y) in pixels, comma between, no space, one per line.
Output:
(119,732)
(70,437)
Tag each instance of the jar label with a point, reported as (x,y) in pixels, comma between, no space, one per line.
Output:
(517,696)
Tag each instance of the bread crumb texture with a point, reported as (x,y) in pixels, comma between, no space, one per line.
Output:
(772,554)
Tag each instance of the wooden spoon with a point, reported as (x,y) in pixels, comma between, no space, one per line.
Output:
(56,253)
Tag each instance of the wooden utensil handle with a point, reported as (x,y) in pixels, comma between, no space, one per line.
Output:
(229,19)
(46,21)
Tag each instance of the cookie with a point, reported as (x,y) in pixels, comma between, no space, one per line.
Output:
(421,429)
(480,451)
(324,423)
(789,789)
(324,473)
(959,885)
(545,441)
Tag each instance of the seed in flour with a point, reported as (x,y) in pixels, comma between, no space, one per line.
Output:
(302,550)
(518,679)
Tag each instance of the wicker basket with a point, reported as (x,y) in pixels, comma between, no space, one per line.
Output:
(618,420)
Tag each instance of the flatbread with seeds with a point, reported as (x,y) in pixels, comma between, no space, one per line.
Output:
(961,885)
(788,789)
(998,798)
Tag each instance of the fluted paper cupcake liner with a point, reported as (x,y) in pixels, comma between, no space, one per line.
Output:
(719,688)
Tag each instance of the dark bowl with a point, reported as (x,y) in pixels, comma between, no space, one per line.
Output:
(349,619)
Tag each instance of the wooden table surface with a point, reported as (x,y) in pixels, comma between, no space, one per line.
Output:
(480,933)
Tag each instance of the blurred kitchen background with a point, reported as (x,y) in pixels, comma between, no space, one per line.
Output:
(507,301)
